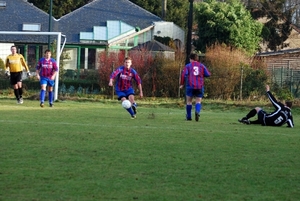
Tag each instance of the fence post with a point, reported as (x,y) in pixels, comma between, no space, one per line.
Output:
(241,88)
(291,80)
(179,80)
(281,76)
(113,87)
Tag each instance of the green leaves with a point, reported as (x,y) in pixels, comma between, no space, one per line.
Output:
(226,22)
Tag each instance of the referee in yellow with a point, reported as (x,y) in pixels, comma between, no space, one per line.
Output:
(14,69)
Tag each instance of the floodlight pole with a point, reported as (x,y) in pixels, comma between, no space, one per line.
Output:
(189,33)
(50,23)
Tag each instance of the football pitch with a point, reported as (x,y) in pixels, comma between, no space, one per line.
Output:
(94,151)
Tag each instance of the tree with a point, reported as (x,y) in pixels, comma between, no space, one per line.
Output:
(278,16)
(177,10)
(60,8)
(226,22)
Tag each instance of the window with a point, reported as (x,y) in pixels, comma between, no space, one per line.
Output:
(2,4)
(31,27)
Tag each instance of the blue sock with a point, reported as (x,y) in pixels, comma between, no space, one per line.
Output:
(200,107)
(197,107)
(189,111)
(50,97)
(130,111)
(42,95)
(134,104)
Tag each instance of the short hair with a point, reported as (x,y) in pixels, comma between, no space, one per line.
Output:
(194,56)
(127,58)
(13,46)
(289,103)
(47,50)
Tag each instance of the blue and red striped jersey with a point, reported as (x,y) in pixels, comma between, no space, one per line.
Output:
(194,74)
(47,67)
(124,78)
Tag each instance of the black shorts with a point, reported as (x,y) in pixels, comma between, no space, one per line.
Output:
(15,77)
(261,116)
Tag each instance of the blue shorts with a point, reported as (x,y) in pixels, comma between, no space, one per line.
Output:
(194,92)
(124,93)
(46,81)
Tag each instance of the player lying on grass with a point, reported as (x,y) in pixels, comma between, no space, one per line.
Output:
(280,116)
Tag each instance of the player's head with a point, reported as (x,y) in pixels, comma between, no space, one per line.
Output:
(289,103)
(13,49)
(127,62)
(47,53)
(194,57)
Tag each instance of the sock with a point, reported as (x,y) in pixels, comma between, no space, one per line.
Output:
(197,107)
(252,113)
(130,111)
(20,92)
(50,97)
(42,95)
(189,111)
(16,92)
(134,104)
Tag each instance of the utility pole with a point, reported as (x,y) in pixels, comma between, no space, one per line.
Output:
(189,33)
(50,23)
(164,9)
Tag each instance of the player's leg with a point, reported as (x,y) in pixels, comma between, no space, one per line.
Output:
(189,102)
(50,92)
(43,83)
(122,96)
(130,94)
(20,87)
(14,82)
(250,114)
(198,105)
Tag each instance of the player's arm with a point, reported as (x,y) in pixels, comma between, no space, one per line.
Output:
(113,75)
(206,71)
(7,64)
(37,71)
(273,100)
(138,80)
(141,90)
(182,77)
(55,69)
(24,63)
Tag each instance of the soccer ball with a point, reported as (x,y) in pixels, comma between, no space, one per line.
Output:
(126,104)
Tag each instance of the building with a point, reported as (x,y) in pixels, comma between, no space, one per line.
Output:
(98,26)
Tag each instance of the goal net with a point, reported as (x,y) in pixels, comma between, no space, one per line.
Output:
(9,38)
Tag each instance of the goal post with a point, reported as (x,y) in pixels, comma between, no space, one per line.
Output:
(59,49)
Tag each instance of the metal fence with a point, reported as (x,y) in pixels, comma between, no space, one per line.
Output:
(285,76)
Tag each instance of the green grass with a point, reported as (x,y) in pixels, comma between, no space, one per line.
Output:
(94,151)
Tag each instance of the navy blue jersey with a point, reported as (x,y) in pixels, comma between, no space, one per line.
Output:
(280,116)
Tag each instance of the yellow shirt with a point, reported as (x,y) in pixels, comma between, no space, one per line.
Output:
(15,63)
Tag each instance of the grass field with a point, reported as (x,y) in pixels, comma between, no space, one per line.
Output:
(82,151)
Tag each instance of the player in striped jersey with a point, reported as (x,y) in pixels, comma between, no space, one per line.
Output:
(46,71)
(193,76)
(124,90)
(14,68)
(279,117)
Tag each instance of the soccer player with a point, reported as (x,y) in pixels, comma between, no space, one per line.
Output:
(193,74)
(280,116)
(46,71)
(14,69)
(124,90)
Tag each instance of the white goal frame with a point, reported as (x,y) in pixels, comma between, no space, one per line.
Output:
(59,49)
